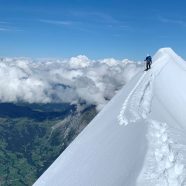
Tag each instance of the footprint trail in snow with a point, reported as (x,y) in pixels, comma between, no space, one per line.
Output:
(137,104)
(164,162)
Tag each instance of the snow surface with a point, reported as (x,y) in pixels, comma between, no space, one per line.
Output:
(137,139)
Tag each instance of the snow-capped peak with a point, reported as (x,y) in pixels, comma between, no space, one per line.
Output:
(137,139)
(168,53)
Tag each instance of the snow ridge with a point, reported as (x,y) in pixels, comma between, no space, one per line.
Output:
(138,103)
(165,162)
(149,152)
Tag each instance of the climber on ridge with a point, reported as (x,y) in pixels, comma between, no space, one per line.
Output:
(148,62)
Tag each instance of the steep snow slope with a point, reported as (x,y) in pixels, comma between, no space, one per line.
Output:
(137,139)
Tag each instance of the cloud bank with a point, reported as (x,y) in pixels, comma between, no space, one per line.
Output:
(74,80)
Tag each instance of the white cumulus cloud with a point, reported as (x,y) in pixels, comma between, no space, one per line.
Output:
(73,80)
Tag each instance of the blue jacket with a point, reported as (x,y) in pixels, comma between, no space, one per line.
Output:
(148,59)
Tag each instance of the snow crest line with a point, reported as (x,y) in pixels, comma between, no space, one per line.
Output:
(122,119)
(138,102)
(164,163)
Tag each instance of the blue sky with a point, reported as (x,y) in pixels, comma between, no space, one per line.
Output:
(98,29)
